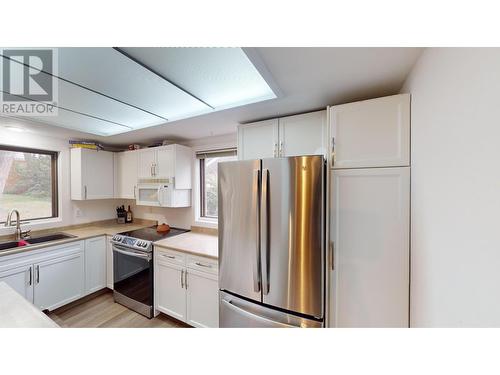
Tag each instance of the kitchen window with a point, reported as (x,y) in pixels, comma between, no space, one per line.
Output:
(208,179)
(28,183)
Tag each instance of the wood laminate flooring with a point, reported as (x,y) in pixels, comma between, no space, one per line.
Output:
(101,311)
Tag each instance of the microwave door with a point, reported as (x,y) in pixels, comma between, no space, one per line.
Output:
(148,195)
(292,222)
(238,212)
(165,196)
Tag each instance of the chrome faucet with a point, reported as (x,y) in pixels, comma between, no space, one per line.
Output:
(19,233)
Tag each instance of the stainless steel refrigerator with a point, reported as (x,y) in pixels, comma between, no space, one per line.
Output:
(271,242)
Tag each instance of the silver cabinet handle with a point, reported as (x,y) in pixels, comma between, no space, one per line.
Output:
(275,149)
(256,209)
(85,188)
(30,281)
(264,234)
(182,279)
(167,256)
(281,149)
(333,151)
(332,256)
(186,279)
(207,266)
(38,274)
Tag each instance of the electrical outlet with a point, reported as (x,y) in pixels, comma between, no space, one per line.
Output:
(78,212)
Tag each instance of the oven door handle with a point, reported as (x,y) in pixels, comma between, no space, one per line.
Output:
(132,254)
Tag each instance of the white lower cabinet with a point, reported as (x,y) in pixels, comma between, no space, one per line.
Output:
(171,295)
(186,288)
(49,277)
(202,299)
(59,281)
(19,278)
(53,276)
(370,230)
(109,263)
(95,264)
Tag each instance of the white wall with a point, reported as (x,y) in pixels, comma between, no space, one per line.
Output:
(455,269)
(91,210)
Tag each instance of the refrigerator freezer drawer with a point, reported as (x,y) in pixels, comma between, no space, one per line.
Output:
(235,312)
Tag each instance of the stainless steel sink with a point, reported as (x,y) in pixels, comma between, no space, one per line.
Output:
(48,238)
(34,240)
(9,245)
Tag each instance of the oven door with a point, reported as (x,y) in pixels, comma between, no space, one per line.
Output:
(133,278)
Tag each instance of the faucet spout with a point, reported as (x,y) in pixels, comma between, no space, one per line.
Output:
(8,223)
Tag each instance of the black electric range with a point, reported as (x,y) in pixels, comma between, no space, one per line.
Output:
(133,267)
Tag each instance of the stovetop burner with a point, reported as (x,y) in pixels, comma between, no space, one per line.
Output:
(150,233)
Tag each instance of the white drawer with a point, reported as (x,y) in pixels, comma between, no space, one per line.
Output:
(202,264)
(170,256)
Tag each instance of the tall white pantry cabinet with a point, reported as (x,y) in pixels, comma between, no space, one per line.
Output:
(369,201)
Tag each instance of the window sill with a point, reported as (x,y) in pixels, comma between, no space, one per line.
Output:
(207,223)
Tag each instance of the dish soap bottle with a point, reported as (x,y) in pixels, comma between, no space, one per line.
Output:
(130,216)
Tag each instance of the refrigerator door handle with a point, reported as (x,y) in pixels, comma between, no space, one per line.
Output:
(242,311)
(264,239)
(256,263)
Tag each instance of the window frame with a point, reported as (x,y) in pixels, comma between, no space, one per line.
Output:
(207,154)
(203,207)
(54,156)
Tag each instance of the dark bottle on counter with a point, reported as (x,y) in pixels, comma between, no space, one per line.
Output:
(130,216)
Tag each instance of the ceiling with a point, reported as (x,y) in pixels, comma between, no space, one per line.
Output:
(304,79)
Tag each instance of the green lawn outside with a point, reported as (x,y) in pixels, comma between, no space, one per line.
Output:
(29,207)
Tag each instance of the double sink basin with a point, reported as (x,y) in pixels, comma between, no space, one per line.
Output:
(34,241)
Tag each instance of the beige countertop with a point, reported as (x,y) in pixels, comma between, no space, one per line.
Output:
(109,228)
(17,312)
(202,244)
(105,229)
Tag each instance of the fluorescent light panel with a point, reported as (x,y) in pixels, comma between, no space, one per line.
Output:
(181,83)
(221,77)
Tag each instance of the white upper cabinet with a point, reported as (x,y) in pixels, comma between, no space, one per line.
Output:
(146,159)
(258,140)
(126,174)
(297,135)
(303,134)
(371,133)
(92,174)
(166,162)
(370,224)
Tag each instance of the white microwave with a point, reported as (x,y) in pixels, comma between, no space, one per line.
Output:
(162,195)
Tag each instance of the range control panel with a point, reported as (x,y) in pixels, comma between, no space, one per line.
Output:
(133,243)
